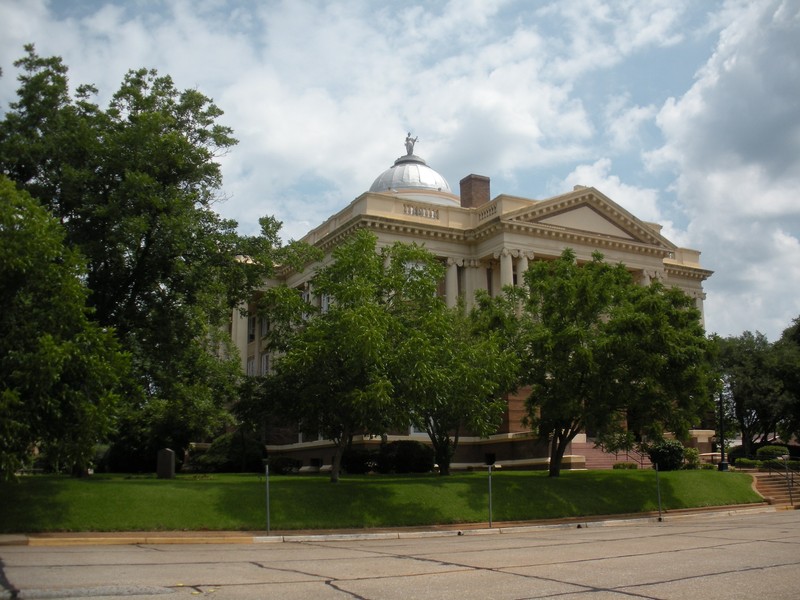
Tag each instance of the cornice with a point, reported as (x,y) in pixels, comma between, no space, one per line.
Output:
(687,272)
(596,201)
(568,236)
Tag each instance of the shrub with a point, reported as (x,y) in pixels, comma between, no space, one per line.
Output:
(405,456)
(707,467)
(284,465)
(734,454)
(769,452)
(748,463)
(234,452)
(773,463)
(625,465)
(691,458)
(358,461)
(667,454)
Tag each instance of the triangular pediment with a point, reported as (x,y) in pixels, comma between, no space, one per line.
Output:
(587,219)
(587,211)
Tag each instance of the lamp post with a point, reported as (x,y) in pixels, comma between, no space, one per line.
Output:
(723,465)
(490,496)
(266,477)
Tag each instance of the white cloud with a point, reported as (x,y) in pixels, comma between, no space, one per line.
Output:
(321,94)
(601,34)
(624,122)
(733,141)
(642,202)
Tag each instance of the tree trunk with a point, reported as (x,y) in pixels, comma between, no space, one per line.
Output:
(443,450)
(558,447)
(336,467)
(443,457)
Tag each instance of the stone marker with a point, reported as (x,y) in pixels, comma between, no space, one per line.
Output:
(166,464)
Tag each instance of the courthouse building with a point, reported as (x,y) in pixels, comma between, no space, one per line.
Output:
(486,243)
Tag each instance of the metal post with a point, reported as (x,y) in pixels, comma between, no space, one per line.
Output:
(490,496)
(658,488)
(266,473)
(785,458)
(723,465)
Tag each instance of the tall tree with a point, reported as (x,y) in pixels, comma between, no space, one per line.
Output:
(450,377)
(60,373)
(596,346)
(334,377)
(134,186)
(665,359)
(787,354)
(753,386)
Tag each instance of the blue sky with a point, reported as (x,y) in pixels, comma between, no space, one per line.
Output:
(686,113)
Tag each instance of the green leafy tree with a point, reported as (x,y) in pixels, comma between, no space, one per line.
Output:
(451,377)
(334,377)
(752,386)
(134,186)
(787,351)
(60,373)
(596,347)
(664,358)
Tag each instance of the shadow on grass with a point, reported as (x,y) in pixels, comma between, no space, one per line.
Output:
(31,504)
(238,502)
(314,503)
(528,496)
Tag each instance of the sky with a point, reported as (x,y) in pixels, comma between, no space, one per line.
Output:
(684,112)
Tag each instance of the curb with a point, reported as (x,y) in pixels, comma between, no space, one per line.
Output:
(171,538)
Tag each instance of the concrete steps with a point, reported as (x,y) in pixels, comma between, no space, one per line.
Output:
(774,489)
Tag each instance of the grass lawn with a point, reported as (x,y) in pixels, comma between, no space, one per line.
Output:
(237,502)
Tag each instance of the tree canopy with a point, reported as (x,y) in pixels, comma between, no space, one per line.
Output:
(60,372)
(601,353)
(451,377)
(134,186)
(760,385)
(334,377)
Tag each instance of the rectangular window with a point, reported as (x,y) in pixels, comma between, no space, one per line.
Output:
(251,366)
(251,329)
(265,363)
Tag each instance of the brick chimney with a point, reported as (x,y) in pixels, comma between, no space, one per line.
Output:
(474,191)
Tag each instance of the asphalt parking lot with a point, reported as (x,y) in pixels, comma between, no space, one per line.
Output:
(709,556)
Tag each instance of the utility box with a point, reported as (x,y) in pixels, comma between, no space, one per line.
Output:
(166,464)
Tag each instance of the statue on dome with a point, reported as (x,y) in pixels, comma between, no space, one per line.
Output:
(410,144)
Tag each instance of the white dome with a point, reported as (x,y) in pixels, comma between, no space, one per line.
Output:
(410,172)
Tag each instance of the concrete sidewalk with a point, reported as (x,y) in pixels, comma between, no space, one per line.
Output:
(260,537)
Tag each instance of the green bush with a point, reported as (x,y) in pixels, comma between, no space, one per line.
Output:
(769,452)
(773,463)
(284,465)
(734,454)
(625,465)
(691,458)
(748,463)
(234,452)
(667,454)
(707,467)
(358,461)
(404,456)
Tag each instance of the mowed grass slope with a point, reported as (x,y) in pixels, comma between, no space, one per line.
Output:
(238,502)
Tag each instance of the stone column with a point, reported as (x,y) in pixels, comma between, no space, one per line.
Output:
(239,333)
(522,266)
(475,279)
(506,268)
(451,282)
